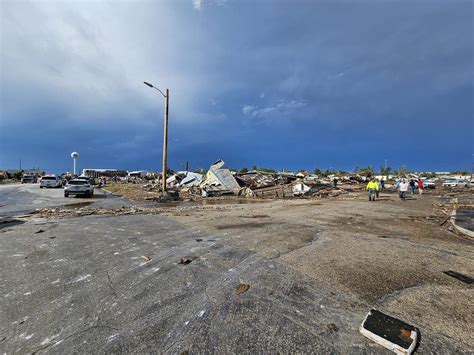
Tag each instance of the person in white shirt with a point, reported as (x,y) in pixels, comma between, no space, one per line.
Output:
(402,189)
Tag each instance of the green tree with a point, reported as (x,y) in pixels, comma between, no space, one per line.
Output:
(318,171)
(266,170)
(385,170)
(17,175)
(367,171)
(402,171)
(244,170)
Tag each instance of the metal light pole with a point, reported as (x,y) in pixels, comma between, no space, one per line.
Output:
(165,134)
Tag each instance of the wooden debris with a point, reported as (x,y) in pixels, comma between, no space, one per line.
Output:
(242,288)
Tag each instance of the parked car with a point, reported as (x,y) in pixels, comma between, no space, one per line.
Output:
(78,187)
(455,183)
(50,181)
(29,179)
(429,184)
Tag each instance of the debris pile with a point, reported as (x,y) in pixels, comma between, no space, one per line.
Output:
(86,211)
(221,181)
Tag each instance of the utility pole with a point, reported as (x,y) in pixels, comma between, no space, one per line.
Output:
(165,140)
(165,136)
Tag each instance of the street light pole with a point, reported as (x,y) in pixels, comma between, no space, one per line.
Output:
(165,136)
(165,140)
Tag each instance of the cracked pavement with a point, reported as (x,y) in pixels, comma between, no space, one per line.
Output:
(84,286)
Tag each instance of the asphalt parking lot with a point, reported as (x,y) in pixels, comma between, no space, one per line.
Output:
(23,198)
(98,284)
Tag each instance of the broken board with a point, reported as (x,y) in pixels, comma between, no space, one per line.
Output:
(391,333)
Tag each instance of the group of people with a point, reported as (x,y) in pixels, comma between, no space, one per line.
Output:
(375,186)
(403,185)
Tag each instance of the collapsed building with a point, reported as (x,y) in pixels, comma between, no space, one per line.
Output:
(219,181)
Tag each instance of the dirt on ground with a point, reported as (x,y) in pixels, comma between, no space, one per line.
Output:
(390,254)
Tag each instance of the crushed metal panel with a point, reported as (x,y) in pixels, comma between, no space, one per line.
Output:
(300,189)
(217,165)
(225,177)
(191,179)
(221,179)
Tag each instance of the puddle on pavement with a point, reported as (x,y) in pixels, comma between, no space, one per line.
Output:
(465,218)
(71,206)
(242,225)
(7,222)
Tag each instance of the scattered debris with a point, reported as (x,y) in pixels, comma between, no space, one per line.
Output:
(300,189)
(333,328)
(466,279)
(391,333)
(40,231)
(52,237)
(146,258)
(445,220)
(199,240)
(185,261)
(242,288)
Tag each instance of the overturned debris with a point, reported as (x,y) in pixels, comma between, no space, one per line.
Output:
(391,333)
(219,181)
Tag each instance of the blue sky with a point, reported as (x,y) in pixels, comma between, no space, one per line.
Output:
(283,84)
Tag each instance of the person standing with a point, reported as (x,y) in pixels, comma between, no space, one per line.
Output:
(379,187)
(372,188)
(420,186)
(402,189)
(412,186)
(382,184)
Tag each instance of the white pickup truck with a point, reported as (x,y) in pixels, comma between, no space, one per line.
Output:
(78,187)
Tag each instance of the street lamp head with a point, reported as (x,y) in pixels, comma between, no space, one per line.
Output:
(74,155)
(148,84)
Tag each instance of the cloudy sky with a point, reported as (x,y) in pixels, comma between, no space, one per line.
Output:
(286,84)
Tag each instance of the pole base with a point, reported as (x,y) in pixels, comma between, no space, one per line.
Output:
(168,196)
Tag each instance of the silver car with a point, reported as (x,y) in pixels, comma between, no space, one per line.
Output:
(50,181)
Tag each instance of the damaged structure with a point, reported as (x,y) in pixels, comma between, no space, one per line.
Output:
(219,181)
